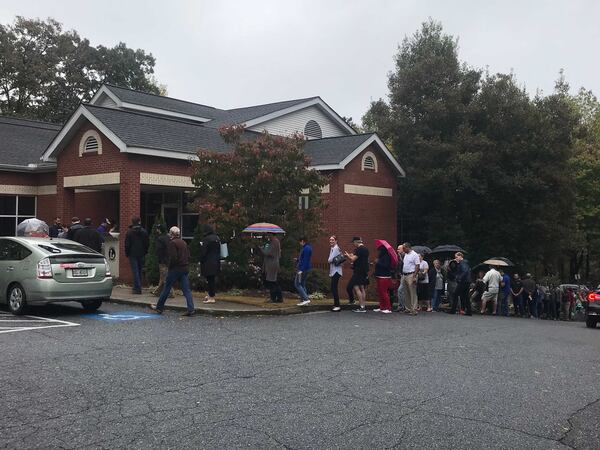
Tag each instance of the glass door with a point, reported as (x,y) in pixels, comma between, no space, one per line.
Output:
(170,213)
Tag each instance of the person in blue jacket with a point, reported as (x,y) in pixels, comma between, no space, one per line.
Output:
(303,268)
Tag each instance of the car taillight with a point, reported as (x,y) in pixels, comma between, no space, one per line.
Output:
(44,269)
(593,297)
(106,268)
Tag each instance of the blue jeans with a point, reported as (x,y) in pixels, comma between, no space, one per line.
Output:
(503,306)
(172,277)
(518,304)
(436,298)
(300,285)
(401,295)
(136,267)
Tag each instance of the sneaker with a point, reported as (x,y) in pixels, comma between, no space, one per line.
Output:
(155,309)
(336,309)
(429,309)
(351,302)
(304,303)
(208,300)
(360,310)
(386,311)
(189,313)
(377,310)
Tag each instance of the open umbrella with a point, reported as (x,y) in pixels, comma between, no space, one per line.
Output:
(390,250)
(263,227)
(496,262)
(447,249)
(421,249)
(32,228)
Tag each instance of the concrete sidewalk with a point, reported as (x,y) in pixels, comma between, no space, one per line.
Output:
(225,305)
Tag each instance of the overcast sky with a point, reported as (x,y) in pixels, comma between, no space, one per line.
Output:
(240,53)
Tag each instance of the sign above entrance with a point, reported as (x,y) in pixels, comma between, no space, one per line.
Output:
(160,179)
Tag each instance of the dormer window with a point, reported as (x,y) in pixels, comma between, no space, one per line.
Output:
(90,143)
(312,130)
(369,162)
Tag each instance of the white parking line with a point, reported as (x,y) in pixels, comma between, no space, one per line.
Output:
(43,321)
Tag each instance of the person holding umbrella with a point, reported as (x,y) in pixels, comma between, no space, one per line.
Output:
(272,252)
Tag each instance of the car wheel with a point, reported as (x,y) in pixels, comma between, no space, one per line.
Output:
(91,305)
(17,300)
(590,322)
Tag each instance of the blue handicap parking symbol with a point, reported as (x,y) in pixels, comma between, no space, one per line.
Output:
(123,316)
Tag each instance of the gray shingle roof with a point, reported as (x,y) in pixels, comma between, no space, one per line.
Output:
(333,150)
(166,103)
(242,115)
(23,141)
(159,133)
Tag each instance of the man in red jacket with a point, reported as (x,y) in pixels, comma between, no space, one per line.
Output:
(179,262)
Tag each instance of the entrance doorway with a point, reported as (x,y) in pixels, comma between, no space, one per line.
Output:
(171,214)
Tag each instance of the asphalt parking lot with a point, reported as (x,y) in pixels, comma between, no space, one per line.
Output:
(125,379)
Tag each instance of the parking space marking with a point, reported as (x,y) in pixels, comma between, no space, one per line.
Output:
(123,316)
(26,324)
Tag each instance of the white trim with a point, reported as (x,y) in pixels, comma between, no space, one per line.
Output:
(373,158)
(83,142)
(324,190)
(315,101)
(16,189)
(357,151)
(49,189)
(368,190)
(85,191)
(80,112)
(164,112)
(97,179)
(159,179)
(161,153)
(121,104)
(109,94)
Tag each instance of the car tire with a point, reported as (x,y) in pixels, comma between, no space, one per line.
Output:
(591,322)
(16,299)
(91,305)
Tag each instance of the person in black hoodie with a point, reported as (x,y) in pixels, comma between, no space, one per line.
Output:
(162,254)
(88,236)
(210,260)
(75,226)
(136,248)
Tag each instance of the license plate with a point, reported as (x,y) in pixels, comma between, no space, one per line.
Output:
(80,272)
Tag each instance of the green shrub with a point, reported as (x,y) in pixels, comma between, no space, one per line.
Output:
(317,281)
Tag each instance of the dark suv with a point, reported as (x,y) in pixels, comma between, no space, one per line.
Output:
(592,309)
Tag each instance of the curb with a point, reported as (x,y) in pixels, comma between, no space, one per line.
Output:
(232,313)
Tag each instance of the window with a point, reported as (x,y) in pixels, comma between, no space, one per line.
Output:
(189,222)
(369,162)
(90,143)
(13,251)
(14,209)
(312,130)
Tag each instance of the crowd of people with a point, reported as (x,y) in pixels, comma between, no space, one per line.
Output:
(405,281)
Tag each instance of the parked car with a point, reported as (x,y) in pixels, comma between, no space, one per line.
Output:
(592,309)
(44,270)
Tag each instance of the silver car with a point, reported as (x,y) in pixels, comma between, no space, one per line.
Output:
(44,270)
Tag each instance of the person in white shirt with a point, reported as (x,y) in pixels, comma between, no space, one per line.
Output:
(492,278)
(335,272)
(410,269)
(423,283)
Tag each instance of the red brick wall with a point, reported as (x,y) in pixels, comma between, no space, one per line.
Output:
(46,204)
(367,216)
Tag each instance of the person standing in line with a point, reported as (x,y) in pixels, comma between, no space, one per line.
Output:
(210,260)
(383,275)
(162,255)
(75,226)
(516,290)
(136,248)
(436,283)
(400,293)
(303,268)
(56,228)
(410,270)
(272,252)
(335,272)
(504,294)
(492,279)
(463,275)
(529,295)
(179,267)
(360,277)
(423,283)
(89,237)
(104,227)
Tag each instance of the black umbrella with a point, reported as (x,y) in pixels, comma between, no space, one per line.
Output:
(447,249)
(421,249)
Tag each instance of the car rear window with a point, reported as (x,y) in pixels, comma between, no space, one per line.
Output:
(56,248)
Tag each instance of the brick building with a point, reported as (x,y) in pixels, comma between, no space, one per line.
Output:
(127,153)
